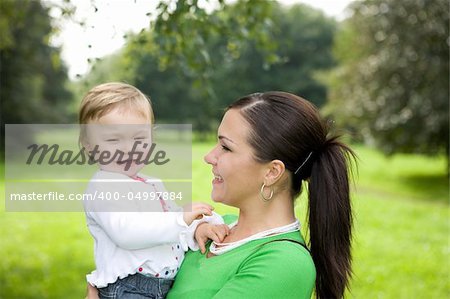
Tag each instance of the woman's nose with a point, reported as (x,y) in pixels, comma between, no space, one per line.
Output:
(210,158)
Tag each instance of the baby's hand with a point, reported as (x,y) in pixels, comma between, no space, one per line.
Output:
(195,211)
(207,231)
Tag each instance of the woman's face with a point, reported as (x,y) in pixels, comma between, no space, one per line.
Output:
(237,175)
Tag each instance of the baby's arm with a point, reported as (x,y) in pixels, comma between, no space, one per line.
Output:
(195,211)
(138,230)
(189,235)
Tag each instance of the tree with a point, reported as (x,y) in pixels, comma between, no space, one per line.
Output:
(177,46)
(303,35)
(304,38)
(32,75)
(184,28)
(391,84)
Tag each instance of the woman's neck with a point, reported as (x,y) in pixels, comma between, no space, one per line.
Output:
(262,216)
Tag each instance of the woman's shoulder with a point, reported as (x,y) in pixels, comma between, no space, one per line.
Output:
(281,267)
(282,245)
(281,254)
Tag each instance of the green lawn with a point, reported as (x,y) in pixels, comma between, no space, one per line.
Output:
(401,245)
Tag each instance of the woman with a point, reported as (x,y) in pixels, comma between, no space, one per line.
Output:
(268,144)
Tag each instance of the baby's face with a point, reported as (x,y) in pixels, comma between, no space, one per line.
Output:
(120,141)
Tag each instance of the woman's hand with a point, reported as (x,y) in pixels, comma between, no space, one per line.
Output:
(207,231)
(196,211)
(92,292)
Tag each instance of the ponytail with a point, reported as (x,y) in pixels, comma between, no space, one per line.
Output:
(330,218)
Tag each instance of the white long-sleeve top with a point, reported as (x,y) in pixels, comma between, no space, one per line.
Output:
(151,243)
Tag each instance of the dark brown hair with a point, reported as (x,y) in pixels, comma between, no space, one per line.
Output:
(289,128)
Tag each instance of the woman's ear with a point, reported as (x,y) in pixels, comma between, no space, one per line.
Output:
(275,170)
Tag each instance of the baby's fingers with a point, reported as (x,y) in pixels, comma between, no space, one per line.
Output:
(226,228)
(201,245)
(221,231)
(215,236)
(200,212)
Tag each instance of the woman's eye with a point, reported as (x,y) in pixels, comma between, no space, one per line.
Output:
(112,140)
(225,148)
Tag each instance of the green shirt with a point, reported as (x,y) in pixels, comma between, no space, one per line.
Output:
(280,269)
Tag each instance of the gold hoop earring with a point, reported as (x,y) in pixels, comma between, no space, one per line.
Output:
(261,193)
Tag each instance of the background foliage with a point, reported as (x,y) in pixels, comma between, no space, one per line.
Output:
(32,76)
(392,79)
(194,85)
(381,73)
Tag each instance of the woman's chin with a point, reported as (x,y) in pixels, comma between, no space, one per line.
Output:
(216,198)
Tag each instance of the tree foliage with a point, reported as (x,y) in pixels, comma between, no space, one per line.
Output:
(304,38)
(184,28)
(391,84)
(301,38)
(32,75)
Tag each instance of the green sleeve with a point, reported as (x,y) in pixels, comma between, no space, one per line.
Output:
(276,270)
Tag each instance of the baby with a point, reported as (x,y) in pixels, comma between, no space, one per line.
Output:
(137,254)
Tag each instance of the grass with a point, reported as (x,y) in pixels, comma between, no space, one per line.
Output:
(401,249)
(401,245)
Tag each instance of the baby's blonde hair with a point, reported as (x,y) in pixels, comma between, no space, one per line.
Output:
(108,96)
